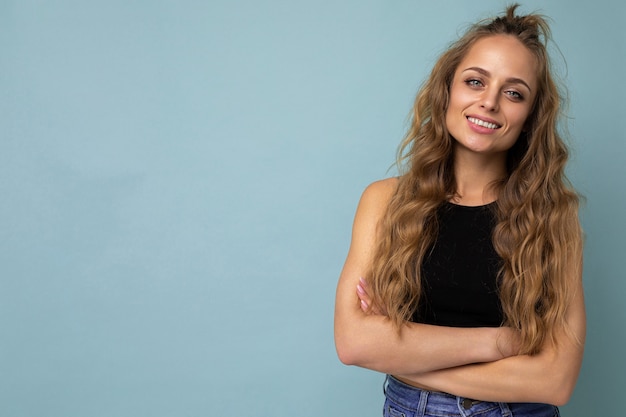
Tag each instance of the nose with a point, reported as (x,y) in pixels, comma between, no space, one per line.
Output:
(489,100)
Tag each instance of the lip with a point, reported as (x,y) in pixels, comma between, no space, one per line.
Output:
(482,129)
(484,119)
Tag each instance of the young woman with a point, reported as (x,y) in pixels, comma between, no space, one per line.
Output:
(463,279)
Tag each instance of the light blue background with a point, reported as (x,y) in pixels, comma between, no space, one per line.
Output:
(177,186)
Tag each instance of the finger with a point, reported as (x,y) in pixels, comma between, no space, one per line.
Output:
(361,292)
(365,298)
(363,282)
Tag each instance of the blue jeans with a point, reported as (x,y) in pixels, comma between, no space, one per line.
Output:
(403,400)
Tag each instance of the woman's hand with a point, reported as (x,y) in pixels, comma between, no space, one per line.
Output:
(366,337)
(462,361)
(507,339)
(366,300)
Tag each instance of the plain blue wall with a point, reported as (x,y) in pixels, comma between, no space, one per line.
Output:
(177,186)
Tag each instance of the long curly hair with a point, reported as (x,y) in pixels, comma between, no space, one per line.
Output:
(537,233)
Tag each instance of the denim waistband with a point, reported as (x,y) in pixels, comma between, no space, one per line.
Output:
(423,401)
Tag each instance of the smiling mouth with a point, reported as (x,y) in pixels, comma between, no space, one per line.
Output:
(482,123)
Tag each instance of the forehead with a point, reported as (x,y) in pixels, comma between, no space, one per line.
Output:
(502,56)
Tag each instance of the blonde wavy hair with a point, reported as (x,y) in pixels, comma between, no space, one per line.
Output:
(537,234)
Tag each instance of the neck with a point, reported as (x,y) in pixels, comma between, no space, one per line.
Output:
(475,176)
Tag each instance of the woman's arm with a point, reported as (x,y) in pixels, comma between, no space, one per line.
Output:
(371,341)
(548,377)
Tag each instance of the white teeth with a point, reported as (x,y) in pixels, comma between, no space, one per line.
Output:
(483,123)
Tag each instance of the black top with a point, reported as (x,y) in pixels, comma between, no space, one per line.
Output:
(459,273)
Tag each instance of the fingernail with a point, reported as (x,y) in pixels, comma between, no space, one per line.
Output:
(364,304)
(360,289)
(362,281)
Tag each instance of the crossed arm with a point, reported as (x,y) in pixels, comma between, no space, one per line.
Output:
(478,363)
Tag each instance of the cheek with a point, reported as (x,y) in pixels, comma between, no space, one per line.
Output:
(522,120)
(450,113)
(516,115)
(459,98)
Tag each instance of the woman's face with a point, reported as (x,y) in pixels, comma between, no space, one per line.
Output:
(491,96)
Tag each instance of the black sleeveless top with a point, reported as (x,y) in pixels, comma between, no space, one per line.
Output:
(459,272)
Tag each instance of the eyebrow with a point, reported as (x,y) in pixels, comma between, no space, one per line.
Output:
(513,80)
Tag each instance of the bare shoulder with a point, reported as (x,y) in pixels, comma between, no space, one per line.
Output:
(371,209)
(377,195)
(374,202)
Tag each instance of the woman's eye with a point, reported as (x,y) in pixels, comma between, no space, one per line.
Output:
(515,95)
(474,83)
